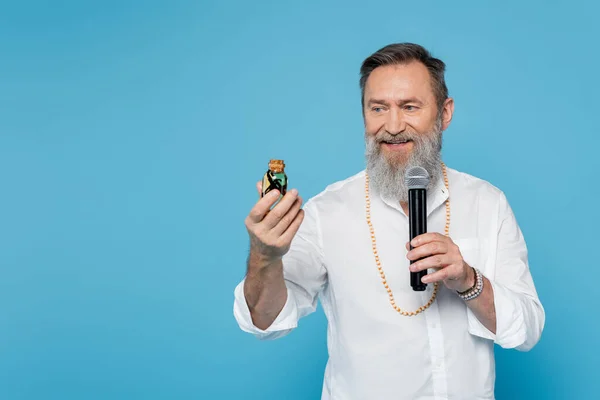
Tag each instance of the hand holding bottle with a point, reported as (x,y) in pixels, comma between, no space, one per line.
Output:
(271,226)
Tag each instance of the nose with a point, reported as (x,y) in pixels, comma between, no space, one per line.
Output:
(395,123)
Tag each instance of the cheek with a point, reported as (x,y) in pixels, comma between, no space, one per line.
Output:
(372,125)
(421,123)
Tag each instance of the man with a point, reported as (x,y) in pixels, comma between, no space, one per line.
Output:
(348,247)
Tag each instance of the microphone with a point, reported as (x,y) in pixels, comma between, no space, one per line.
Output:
(417,180)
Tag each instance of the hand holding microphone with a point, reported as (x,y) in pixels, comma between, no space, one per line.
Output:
(431,250)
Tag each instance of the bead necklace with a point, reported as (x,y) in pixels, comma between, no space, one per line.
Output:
(376,254)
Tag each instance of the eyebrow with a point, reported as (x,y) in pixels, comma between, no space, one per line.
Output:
(401,102)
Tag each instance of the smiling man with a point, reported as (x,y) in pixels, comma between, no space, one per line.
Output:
(347,247)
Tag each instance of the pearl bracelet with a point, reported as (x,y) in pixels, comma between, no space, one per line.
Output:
(476,290)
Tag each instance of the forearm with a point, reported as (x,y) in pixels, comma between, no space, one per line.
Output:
(483,306)
(265,290)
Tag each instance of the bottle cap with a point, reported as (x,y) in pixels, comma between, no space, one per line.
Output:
(276,165)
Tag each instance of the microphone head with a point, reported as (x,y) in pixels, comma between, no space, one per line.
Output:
(416,178)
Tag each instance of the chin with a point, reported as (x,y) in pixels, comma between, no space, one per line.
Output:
(396,159)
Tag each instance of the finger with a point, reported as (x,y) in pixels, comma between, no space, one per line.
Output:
(288,218)
(281,209)
(427,250)
(436,261)
(259,188)
(437,276)
(262,206)
(288,235)
(427,238)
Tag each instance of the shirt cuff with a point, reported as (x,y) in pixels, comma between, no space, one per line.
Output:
(286,320)
(510,330)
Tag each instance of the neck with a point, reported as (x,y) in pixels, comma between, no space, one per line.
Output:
(404,206)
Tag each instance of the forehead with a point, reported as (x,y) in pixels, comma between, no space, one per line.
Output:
(399,81)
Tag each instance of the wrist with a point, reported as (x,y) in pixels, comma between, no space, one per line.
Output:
(475,290)
(258,262)
(469,281)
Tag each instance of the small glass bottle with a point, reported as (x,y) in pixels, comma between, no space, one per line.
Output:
(275,178)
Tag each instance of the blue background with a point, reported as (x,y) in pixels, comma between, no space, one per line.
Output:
(132,135)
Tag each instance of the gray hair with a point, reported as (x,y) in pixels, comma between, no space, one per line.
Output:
(404,53)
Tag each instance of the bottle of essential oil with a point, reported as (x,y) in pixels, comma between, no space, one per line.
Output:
(275,178)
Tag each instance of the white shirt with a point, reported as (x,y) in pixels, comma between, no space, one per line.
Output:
(376,353)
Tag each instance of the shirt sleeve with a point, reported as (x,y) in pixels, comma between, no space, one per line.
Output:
(304,274)
(520,316)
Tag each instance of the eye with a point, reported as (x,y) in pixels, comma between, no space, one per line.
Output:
(377,109)
(410,107)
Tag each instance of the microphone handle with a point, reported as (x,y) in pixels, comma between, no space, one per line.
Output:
(417,214)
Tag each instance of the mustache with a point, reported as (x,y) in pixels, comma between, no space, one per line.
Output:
(387,137)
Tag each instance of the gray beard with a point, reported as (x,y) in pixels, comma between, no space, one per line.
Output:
(387,176)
